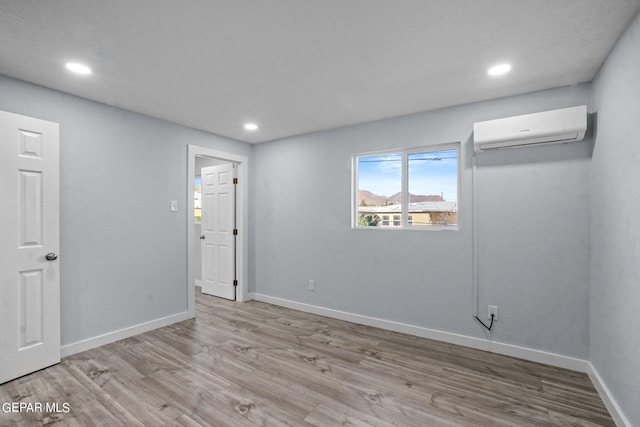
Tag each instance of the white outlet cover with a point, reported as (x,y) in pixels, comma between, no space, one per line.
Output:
(493,309)
(174,206)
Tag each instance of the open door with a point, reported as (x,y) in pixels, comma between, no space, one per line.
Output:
(218,238)
(29,244)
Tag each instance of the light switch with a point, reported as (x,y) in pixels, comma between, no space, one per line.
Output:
(174,206)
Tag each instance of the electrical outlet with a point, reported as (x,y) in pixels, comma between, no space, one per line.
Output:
(493,309)
(312,285)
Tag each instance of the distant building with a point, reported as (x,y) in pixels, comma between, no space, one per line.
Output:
(420,213)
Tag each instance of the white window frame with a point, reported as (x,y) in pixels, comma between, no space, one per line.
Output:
(404,215)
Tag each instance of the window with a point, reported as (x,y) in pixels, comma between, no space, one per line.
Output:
(197,200)
(413,189)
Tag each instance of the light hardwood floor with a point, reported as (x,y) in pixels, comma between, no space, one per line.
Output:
(247,364)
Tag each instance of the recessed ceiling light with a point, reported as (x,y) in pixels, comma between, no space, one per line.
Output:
(78,68)
(251,126)
(499,69)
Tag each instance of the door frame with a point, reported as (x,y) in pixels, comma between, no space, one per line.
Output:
(242,203)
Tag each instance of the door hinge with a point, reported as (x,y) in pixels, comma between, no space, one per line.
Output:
(235,180)
(235,283)
(235,231)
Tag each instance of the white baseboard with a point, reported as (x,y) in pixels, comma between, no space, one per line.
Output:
(606,396)
(525,353)
(108,338)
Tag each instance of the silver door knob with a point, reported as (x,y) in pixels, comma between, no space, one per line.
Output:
(51,256)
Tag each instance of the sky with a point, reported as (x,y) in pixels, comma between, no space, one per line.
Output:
(432,172)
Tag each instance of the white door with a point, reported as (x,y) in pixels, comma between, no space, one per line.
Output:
(29,244)
(217,244)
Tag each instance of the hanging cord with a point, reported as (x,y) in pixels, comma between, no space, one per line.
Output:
(475,277)
(475,280)
(490,324)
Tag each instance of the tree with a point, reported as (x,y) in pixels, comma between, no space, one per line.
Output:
(368,220)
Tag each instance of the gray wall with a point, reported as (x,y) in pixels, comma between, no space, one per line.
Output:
(615,228)
(534,230)
(123,253)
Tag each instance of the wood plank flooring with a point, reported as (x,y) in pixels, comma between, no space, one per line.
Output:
(248,364)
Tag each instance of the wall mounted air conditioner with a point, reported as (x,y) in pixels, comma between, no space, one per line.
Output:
(548,127)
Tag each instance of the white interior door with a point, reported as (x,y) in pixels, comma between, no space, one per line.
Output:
(218,224)
(29,244)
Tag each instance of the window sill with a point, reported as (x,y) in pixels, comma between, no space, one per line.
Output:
(415,228)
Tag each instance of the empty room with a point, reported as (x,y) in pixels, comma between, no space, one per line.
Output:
(320,213)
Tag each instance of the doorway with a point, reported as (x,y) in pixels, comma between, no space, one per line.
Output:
(197,158)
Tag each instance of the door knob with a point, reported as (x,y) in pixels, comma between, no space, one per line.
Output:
(202,237)
(51,256)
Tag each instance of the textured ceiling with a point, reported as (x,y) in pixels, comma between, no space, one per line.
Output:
(298,66)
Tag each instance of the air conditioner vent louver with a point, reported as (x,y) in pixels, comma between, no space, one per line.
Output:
(549,127)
